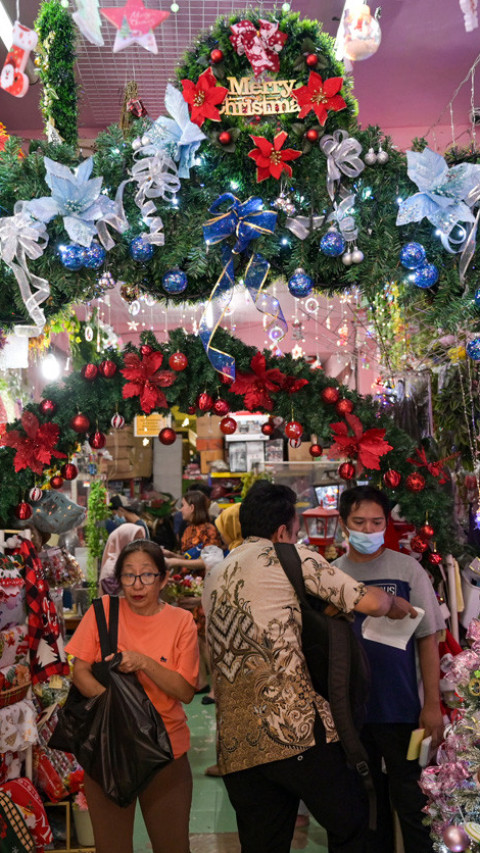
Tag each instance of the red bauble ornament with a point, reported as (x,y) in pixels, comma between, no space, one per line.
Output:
(344,407)
(268,428)
(293,430)
(204,402)
(315,450)
(415,482)
(346,471)
(311,60)
(434,558)
(418,544)
(221,408)
(392,478)
(330,395)
(312,134)
(427,531)
(224,137)
(178,361)
(108,368)
(97,440)
(216,55)
(228,426)
(191,410)
(146,349)
(23,511)
(56,482)
(69,471)
(167,435)
(48,407)
(35,494)
(89,372)
(80,423)
(118,421)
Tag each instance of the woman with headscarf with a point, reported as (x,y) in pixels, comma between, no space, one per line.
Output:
(116,542)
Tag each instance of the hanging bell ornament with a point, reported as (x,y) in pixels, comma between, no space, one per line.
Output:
(370,157)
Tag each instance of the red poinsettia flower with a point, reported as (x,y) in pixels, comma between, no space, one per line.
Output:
(36,449)
(320,96)
(366,446)
(256,386)
(436,469)
(203,97)
(145,380)
(291,384)
(270,159)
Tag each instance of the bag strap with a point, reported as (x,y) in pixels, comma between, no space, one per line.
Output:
(338,677)
(108,637)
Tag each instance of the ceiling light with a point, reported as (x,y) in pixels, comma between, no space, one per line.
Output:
(51,368)
(6,27)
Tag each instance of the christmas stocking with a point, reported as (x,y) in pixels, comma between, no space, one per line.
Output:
(12,79)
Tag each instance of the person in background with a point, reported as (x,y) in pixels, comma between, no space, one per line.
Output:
(114,545)
(179,523)
(158,643)
(394,709)
(199,530)
(129,512)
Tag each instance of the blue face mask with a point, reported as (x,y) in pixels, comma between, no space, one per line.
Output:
(366,543)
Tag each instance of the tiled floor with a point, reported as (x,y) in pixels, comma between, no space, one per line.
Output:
(212,822)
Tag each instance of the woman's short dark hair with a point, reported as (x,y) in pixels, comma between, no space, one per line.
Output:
(351,498)
(200,504)
(154,551)
(265,508)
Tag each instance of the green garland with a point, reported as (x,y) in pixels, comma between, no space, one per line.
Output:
(55,60)
(95,535)
(100,399)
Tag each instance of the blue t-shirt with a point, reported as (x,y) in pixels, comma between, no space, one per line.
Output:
(394,696)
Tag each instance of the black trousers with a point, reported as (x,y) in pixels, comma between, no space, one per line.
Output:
(266,798)
(398,788)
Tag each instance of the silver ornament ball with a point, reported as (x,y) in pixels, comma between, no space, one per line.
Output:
(347,259)
(357,256)
(382,157)
(370,157)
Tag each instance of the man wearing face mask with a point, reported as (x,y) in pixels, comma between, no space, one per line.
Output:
(395,708)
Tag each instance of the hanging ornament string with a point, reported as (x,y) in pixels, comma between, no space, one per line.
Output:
(470,430)
(22,237)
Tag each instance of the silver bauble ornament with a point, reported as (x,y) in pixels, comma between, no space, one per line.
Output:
(357,256)
(347,259)
(382,156)
(370,157)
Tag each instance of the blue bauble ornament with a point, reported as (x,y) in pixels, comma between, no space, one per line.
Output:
(140,250)
(94,257)
(300,284)
(473,349)
(425,276)
(174,281)
(332,244)
(477,297)
(413,255)
(72,257)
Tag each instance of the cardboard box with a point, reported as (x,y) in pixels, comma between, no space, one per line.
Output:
(209,444)
(300,454)
(208,426)
(207,457)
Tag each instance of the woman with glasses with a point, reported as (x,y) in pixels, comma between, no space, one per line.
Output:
(159,644)
(116,542)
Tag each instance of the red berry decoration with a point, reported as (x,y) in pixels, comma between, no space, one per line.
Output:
(427,531)
(330,395)
(346,471)
(23,511)
(293,430)
(89,372)
(204,402)
(216,55)
(167,435)
(192,410)
(69,471)
(315,450)
(418,544)
(97,440)
(344,407)
(311,60)
(434,558)
(108,368)
(48,407)
(178,361)
(118,421)
(312,134)
(221,408)
(56,482)
(146,349)
(392,478)
(80,423)
(415,482)
(225,137)
(35,494)
(228,426)
(268,428)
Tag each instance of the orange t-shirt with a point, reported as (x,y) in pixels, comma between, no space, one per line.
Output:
(169,637)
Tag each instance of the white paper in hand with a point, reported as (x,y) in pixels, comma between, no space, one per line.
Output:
(391,632)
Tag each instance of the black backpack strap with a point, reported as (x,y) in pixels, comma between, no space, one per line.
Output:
(108,637)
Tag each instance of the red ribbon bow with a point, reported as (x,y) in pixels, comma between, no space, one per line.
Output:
(261,47)
(366,446)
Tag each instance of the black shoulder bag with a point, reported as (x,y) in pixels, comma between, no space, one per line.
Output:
(338,668)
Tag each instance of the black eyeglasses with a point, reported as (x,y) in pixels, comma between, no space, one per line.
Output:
(146,578)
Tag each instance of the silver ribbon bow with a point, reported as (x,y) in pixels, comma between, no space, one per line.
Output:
(342,215)
(468,250)
(117,220)
(23,237)
(343,155)
(157,177)
(303,226)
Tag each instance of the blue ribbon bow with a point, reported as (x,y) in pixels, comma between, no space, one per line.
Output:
(247,221)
